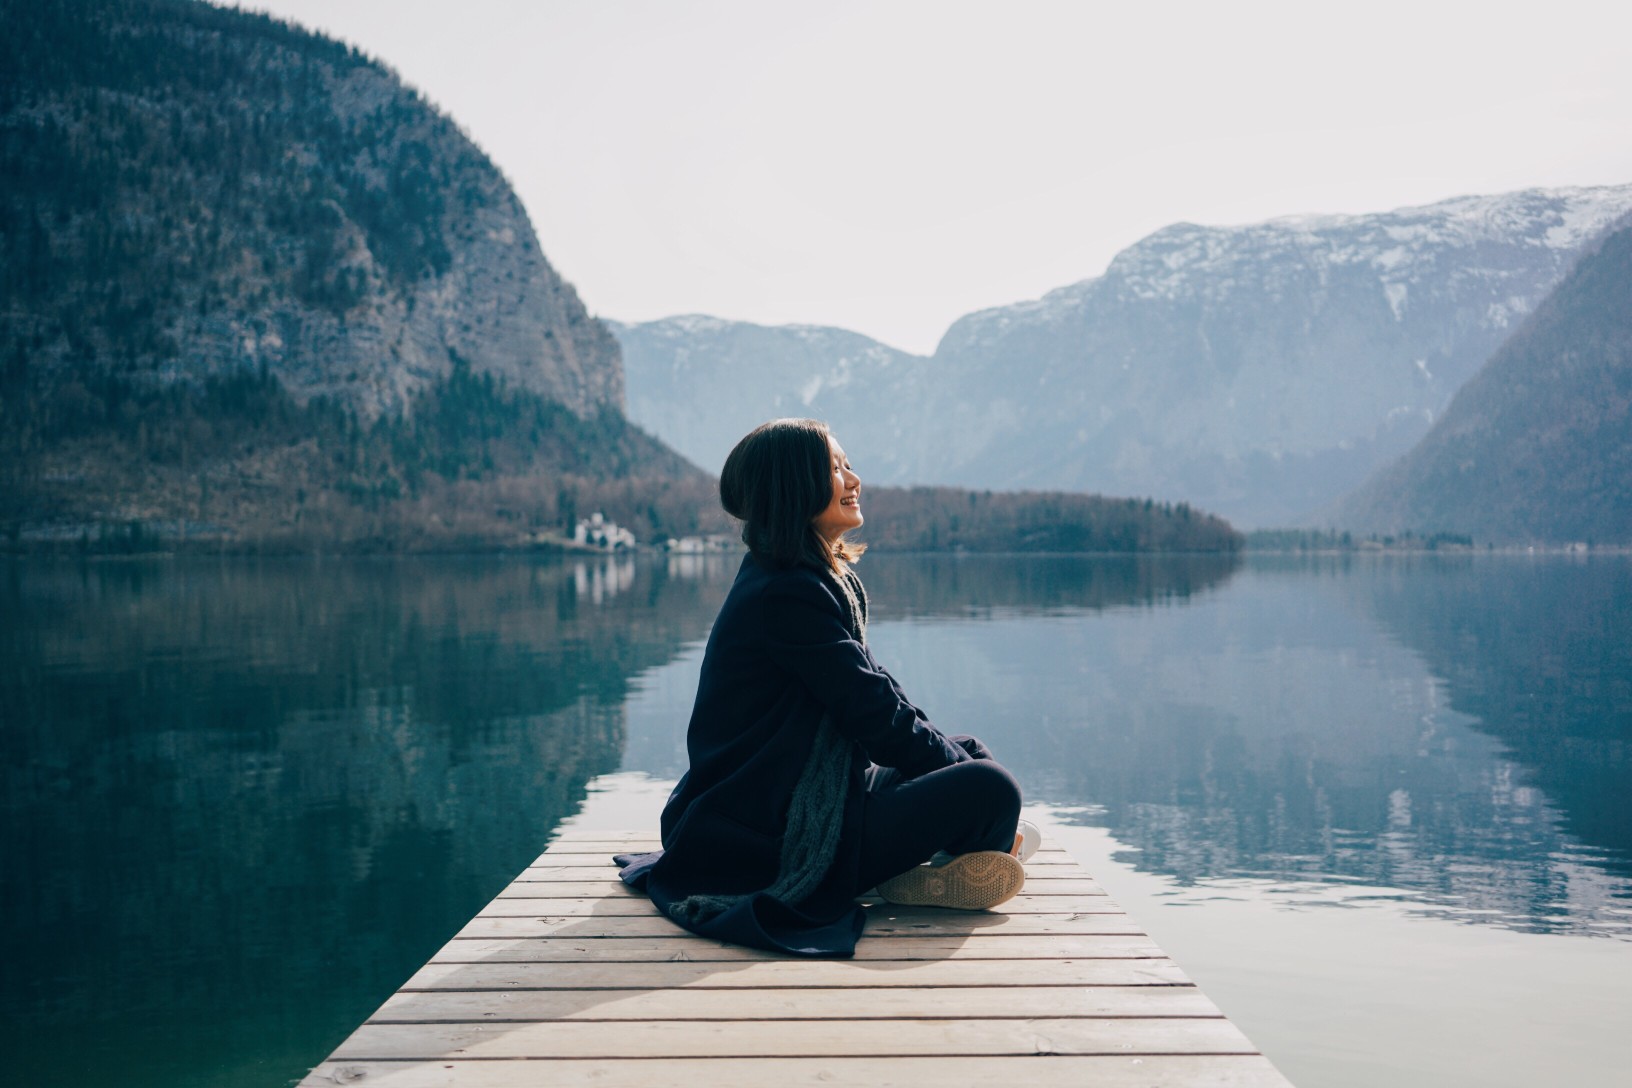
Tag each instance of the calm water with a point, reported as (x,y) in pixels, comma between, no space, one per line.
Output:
(1378,807)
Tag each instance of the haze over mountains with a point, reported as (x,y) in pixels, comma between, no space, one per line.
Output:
(703,382)
(1260,371)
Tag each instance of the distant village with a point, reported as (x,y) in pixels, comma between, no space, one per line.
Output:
(598,533)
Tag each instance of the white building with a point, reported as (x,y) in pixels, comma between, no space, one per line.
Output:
(598,532)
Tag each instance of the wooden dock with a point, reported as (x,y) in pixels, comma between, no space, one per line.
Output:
(567,978)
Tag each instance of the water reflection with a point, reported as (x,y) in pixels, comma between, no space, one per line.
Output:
(243,801)
(933,589)
(921,586)
(1467,752)
(1538,653)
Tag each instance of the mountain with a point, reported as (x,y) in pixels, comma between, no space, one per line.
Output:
(1259,371)
(256,283)
(1536,447)
(700,384)
(192,191)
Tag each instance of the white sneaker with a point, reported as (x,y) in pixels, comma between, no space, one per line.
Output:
(1028,838)
(977,881)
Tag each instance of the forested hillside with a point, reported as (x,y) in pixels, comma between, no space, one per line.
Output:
(258,291)
(1537,447)
(953,519)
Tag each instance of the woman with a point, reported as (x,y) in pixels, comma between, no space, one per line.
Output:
(812,777)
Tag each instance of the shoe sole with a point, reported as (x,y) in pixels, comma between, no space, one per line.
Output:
(977,881)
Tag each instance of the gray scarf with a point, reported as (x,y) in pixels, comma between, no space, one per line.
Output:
(816,811)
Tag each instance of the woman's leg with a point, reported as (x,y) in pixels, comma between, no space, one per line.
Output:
(959,809)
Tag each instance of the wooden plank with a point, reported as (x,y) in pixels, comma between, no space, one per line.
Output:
(641,846)
(886,1002)
(636,906)
(600,851)
(568,978)
(567,873)
(795,1038)
(921,924)
(589,869)
(603,850)
(620,839)
(1024,903)
(1034,889)
(769,974)
(524,887)
(627,840)
(687,948)
(601,858)
(1041,1071)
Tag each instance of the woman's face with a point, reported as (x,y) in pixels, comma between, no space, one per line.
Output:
(844,512)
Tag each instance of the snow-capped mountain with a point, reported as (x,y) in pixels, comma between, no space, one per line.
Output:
(1257,371)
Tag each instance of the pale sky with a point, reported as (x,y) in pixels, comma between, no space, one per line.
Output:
(887,167)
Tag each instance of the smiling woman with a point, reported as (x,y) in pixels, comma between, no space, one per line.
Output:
(844,512)
(812,777)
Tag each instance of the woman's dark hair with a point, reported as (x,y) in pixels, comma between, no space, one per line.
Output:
(778,478)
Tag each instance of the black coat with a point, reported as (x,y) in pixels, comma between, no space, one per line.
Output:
(780,656)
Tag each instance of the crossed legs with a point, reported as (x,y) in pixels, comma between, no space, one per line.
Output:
(958,809)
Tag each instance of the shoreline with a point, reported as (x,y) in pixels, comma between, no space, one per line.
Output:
(567,548)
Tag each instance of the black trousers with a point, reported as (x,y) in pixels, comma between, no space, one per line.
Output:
(959,809)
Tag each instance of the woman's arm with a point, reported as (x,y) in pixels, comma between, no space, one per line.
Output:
(807,636)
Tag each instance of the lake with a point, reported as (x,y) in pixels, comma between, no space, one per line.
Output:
(1377,806)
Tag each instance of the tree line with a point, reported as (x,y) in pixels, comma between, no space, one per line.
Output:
(953,519)
(472,463)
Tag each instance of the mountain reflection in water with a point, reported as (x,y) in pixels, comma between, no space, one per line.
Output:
(243,801)
(1451,731)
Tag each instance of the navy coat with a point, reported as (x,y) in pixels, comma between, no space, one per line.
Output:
(780,656)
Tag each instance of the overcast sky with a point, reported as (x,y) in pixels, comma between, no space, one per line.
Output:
(888,167)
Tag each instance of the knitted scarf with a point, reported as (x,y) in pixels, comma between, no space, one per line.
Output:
(816,810)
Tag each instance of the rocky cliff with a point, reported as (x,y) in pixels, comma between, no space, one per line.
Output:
(193,191)
(260,293)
